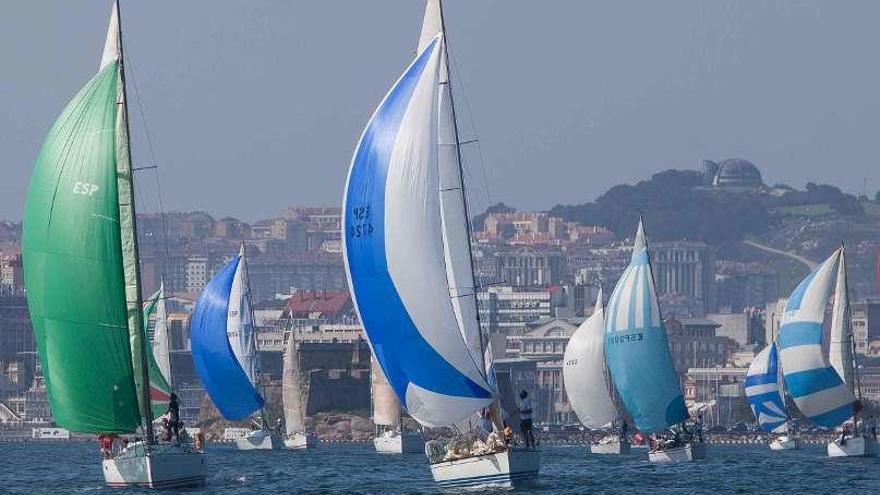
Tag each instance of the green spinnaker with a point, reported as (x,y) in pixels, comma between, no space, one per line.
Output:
(74,269)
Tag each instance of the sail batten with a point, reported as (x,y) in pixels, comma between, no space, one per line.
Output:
(637,350)
(392,223)
(818,391)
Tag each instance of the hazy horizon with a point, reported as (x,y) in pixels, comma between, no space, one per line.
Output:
(255,106)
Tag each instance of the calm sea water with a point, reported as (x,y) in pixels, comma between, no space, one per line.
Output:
(69,468)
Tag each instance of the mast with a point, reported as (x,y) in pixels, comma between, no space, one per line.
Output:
(128,225)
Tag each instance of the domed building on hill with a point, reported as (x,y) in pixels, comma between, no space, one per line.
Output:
(736,173)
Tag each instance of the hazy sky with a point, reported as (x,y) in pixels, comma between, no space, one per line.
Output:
(254,105)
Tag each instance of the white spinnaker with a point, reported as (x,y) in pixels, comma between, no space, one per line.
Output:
(291,389)
(239,327)
(160,336)
(456,236)
(584,374)
(415,251)
(386,406)
(840,344)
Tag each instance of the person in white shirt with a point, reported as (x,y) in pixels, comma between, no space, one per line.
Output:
(525,419)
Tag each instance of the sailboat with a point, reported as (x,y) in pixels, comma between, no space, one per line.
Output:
(390,435)
(84,291)
(823,387)
(225,354)
(764,393)
(293,401)
(406,246)
(638,357)
(589,385)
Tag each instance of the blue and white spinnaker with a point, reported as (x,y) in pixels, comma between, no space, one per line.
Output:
(764,391)
(636,348)
(397,251)
(818,391)
(223,347)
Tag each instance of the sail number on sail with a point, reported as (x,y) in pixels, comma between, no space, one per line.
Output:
(363,227)
(630,337)
(84,188)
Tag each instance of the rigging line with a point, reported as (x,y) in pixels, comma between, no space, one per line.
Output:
(155,165)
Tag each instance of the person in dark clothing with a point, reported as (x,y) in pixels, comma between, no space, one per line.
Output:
(525,416)
(174,417)
(624,430)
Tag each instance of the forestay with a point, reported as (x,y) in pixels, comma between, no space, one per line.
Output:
(230,387)
(395,254)
(816,388)
(636,348)
(585,374)
(764,391)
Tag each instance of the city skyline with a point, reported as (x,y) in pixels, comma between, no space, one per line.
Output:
(686,81)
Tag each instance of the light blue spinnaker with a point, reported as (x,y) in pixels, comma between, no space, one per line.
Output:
(396,256)
(225,379)
(818,391)
(764,391)
(636,348)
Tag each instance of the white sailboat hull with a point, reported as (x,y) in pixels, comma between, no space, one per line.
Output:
(685,453)
(785,443)
(508,469)
(301,441)
(259,440)
(614,446)
(167,466)
(859,446)
(402,443)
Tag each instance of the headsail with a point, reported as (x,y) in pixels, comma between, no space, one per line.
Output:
(291,389)
(840,345)
(73,260)
(764,391)
(386,407)
(157,355)
(636,348)
(453,207)
(585,374)
(230,387)
(816,388)
(394,251)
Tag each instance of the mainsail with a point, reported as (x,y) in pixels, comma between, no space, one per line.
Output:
(386,407)
(395,254)
(80,258)
(291,389)
(636,348)
(228,381)
(764,391)
(840,345)
(585,375)
(818,391)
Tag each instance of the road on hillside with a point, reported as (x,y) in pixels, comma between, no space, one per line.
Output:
(810,264)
